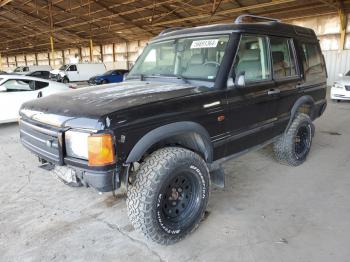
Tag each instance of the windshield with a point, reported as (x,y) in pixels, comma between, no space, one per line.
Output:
(196,58)
(108,73)
(347,74)
(64,67)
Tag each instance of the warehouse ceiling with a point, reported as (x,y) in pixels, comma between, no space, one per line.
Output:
(26,26)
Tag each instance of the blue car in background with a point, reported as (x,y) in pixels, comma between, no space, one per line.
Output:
(111,76)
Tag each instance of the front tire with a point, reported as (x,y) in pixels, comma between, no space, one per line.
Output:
(65,80)
(169,196)
(294,145)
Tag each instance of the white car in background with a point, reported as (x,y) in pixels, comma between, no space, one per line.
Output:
(340,89)
(17,89)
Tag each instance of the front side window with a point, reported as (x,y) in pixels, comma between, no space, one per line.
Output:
(283,61)
(252,58)
(72,68)
(196,58)
(18,85)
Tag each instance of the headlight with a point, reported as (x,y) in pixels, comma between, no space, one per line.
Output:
(101,150)
(77,144)
(337,85)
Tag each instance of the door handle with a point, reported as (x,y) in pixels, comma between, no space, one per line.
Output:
(273,91)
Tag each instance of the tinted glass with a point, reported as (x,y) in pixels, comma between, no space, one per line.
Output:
(40,85)
(73,68)
(252,58)
(282,58)
(312,59)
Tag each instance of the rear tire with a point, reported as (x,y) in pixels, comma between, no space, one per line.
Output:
(169,196)
(294,145)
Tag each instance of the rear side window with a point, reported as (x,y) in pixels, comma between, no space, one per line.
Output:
(40,85)
(312,59)
(283,61)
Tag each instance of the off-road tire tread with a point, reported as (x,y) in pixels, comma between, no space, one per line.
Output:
(284,147)
(143,190)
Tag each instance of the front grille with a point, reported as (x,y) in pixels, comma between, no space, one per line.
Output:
(347,88)
(45,143)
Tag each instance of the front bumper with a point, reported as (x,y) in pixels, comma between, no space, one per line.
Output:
(102,181)
(340,94)
(48,144)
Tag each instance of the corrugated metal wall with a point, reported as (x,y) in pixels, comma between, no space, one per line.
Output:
(337,62)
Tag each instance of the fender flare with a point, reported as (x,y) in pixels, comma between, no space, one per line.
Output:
(300,102)
(199,133)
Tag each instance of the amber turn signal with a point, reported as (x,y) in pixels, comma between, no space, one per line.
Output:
(101,150)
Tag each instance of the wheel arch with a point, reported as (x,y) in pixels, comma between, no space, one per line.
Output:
(304,104)
(187,134)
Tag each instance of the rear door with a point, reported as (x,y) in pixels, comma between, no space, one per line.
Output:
(251,109)
(285,74)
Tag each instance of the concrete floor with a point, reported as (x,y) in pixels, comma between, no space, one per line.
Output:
(268,212)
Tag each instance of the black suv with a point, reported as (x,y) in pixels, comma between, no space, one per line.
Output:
(194,98)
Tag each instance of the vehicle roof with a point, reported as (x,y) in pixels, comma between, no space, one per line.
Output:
(270,28)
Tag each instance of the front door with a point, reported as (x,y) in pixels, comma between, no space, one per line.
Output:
(251,108)
(73,73)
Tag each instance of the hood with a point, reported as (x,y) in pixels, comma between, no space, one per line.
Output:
(57,71)
(344,80)
(72,108)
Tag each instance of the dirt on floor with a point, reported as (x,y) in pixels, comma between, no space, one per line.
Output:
(267,211)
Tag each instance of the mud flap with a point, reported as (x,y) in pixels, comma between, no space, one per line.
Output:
(217,177)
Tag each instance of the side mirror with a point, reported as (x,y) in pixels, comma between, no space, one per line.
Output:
(240,80)
(340,75)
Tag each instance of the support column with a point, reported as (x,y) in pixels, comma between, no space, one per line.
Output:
(52,49)
(101,52)
(113,53)
(63,58)
(0,62)
(25,60)
(343,25)
(91,50)
(36,58)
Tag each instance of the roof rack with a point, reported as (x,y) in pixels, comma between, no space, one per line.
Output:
(239,20)
(171,29)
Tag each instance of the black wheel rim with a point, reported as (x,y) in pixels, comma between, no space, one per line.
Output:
(179,201)
(302,141)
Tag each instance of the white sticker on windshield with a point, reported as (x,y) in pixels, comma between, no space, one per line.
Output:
(210,43)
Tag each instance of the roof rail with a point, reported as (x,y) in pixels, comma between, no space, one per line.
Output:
(171,29)
(239,20)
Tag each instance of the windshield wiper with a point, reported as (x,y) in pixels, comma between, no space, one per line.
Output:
(184,79)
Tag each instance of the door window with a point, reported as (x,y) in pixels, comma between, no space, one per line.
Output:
(36,74)
(45,74)
(15,85)
(282,58)
(72,68)
(252,58)
(40,85)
